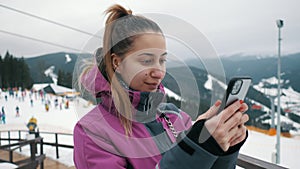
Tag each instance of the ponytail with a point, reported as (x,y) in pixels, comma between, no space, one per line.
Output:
(120,97)
(121,29)
(115,12)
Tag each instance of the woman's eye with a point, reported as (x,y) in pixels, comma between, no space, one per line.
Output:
(147,61)
(163,61)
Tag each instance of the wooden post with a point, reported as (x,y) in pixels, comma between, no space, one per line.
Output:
(32,150)
(56,145)
(42,152)
(20,140)
(11,156)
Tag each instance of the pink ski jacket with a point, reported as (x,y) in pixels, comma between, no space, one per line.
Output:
(100,141)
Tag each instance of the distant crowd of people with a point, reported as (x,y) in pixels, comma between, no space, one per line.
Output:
(3,114)
(34,96)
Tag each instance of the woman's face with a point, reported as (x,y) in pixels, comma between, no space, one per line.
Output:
(143,67)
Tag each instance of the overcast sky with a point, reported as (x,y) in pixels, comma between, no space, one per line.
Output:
(232,26)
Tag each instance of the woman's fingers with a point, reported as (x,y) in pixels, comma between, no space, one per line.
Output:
(230,110)
(211,111)
(240,136)
(244,119)
(228,128)
(239,131)
(244,107)
(220,120)
(237,122)
(233,121)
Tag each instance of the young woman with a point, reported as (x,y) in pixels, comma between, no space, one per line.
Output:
(131,126)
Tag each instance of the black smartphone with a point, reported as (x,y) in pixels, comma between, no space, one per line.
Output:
(237,89)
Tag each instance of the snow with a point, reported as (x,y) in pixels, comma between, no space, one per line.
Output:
(39,86)
(287,120)
(50,72)
(262,146)
(172,94)
(7,166)
(56,88)
(60,89)
(55,120)
(269,92)
(272,80)
(209,83)
(288,99)
(68,58)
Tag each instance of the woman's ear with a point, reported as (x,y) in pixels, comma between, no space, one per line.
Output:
(116,61)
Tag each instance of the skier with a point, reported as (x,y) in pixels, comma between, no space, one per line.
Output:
(31,125)
(47,107)
(17,111)
(56,103)
(3,118)
(3,109)
(67,104)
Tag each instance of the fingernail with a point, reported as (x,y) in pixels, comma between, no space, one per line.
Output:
(218,103)
(241,101)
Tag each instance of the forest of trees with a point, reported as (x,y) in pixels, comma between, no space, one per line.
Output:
(14,72)
(64,79)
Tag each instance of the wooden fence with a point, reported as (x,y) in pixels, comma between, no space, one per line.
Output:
(244,161)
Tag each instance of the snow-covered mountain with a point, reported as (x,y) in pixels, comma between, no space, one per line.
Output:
(50,73)
(290,99)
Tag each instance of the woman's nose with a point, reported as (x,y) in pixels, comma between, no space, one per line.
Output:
(158,74)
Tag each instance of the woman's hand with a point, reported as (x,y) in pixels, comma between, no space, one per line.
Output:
(227,127)
(210,112)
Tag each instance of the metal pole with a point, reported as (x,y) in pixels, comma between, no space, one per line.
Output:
(278,104)
(272,112)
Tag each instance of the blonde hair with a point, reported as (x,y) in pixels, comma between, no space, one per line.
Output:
(121,29)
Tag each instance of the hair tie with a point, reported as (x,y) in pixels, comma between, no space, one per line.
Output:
(129,12)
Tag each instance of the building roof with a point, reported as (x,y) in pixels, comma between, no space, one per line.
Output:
(52,88)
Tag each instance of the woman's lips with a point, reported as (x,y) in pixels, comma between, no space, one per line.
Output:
(152,85)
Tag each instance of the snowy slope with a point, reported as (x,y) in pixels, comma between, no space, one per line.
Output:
(55,120)
(262,146)
(289,98)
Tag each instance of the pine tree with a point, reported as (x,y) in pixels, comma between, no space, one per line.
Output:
(60,77)
(64,78)
(14,72)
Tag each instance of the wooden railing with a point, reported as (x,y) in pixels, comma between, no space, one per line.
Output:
(243,161)
(254,163)
(19,137)
(27,163)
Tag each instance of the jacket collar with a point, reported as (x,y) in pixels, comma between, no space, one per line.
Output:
(144,103)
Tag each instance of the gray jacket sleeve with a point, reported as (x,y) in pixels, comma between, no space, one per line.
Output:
(228,161)
(189,155)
